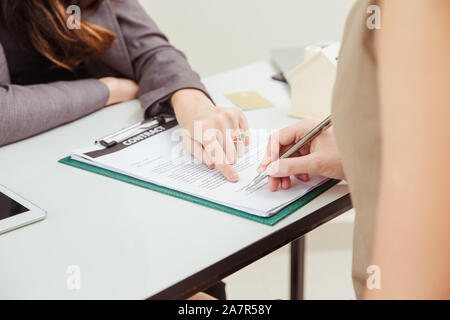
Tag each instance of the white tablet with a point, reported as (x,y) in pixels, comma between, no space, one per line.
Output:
(16,212)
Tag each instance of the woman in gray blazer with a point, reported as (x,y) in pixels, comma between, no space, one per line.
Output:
(54,69)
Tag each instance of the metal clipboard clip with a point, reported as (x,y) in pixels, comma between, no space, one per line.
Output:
(125,133)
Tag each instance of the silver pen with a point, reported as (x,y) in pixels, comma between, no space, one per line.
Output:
(325,124)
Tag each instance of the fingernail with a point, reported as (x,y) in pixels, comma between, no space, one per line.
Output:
(260,169)
(234,177)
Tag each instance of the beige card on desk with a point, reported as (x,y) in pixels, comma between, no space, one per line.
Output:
(249,100)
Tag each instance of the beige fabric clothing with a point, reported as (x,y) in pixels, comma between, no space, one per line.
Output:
(356,121)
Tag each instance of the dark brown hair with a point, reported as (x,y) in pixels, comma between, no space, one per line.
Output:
(43,24)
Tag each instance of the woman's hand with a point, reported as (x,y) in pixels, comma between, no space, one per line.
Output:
(321,156)
(215,136)
(120,90)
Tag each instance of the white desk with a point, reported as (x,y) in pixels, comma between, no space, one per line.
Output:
(129,242)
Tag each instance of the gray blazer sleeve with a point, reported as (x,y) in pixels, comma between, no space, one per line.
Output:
(29,110)
(159,68)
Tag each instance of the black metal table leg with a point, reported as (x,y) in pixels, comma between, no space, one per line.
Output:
(297,268)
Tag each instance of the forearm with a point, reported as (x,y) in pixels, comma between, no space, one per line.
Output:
(412,247)
(28,110)
(174,75)
(189,101)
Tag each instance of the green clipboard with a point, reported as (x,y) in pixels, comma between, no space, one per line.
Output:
(270,221)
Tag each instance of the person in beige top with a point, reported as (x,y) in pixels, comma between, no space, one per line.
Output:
(391,141)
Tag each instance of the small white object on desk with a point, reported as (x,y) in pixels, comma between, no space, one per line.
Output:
(312,82)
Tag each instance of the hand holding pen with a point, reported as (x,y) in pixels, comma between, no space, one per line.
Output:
(319,156)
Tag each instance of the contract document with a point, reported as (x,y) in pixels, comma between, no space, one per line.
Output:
(158,156)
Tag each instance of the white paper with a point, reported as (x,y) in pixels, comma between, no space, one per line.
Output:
(159,160)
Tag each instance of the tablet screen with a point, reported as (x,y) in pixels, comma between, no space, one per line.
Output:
(9,207)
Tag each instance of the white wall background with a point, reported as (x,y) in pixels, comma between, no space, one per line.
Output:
(218,35)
